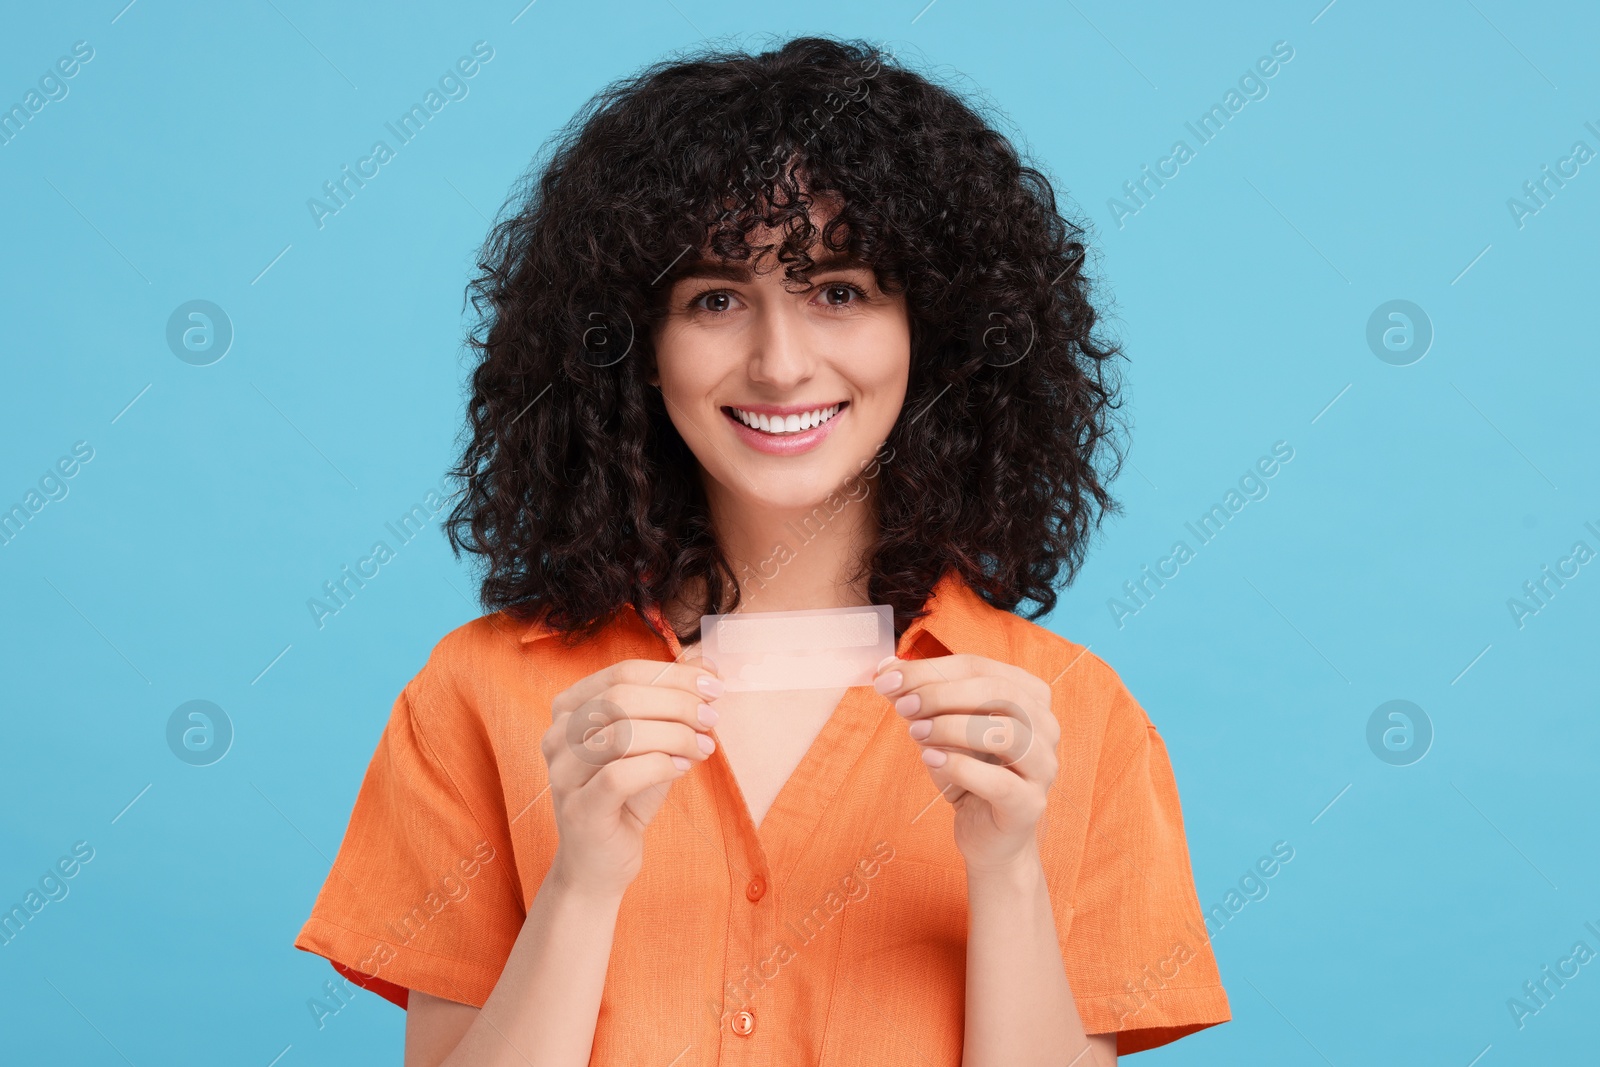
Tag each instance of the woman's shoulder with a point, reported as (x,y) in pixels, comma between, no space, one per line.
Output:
(496,664)
(1088,695)
(486,638)
(1068,667)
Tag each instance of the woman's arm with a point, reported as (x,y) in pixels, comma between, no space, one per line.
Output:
(544,1008)
(1020,1011)
(989,737)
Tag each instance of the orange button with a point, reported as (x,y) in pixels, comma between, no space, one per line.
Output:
(756,888)
(743,1023)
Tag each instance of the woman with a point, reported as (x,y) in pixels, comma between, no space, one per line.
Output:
(776,332)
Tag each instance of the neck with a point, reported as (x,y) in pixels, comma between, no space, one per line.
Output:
(794,560)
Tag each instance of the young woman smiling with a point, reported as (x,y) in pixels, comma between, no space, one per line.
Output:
(736,280)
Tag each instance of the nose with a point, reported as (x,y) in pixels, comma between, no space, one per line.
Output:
(781,354)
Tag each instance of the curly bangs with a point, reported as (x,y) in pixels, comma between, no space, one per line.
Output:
(576,487)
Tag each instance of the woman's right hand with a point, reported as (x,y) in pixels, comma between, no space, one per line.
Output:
(617,741)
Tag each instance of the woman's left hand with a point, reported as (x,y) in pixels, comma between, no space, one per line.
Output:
(988,738)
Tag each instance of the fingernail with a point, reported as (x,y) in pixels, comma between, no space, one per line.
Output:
(707,745)
(921,729)
(909,704)
(888,683)
(680,762)
(881,663)
(710,687)
(934,757)
(708,715)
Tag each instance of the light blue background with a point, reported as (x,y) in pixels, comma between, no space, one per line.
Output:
(1379,567)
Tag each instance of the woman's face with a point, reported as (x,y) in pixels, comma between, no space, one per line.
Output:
(783,394)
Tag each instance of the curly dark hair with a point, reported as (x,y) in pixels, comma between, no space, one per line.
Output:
(576,486)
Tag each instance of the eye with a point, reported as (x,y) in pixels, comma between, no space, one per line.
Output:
(716,301)
(842,294)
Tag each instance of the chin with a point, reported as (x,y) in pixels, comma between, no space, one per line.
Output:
(796,494)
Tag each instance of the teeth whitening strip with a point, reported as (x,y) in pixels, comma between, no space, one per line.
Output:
(829,648)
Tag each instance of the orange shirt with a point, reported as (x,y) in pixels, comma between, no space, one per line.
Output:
(836,931)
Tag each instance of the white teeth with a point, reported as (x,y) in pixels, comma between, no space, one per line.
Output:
(780,424)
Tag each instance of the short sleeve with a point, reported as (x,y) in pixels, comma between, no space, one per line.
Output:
(1137,953)
(422,894)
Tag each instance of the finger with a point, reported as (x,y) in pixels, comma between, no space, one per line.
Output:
(604,728)
(646,702)
(695,678)
(696,659)
(599,745)
(621,780)
(964,694)
(985,696)
(1014,800)
(918,672)
(951,792)
(1005,740)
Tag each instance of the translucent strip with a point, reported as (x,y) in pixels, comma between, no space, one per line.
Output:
(823,649)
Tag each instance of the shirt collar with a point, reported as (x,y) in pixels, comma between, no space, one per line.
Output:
(958,621)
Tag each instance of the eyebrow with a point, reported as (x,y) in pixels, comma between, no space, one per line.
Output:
(731,271)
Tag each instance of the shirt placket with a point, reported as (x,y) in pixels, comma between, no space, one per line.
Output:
(750,914)
(752,950)
(752,929)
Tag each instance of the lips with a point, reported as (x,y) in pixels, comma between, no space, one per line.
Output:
(812,425)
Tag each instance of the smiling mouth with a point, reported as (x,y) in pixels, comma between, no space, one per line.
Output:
(785,425)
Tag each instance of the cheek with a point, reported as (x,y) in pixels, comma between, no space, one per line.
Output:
(883,366)
(688,367)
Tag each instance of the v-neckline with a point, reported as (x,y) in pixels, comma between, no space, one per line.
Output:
(792,818)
